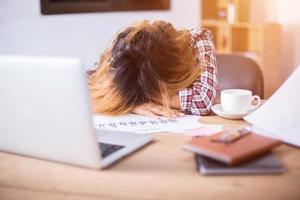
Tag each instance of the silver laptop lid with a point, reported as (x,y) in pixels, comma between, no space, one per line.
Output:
(45,110)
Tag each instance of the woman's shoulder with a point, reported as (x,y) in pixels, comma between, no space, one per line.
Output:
(199,30)
(201,34)
(202,40)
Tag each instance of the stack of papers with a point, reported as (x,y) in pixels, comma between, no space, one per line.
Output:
(141,124)
(279,117)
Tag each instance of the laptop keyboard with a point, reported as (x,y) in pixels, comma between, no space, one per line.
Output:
(107,149)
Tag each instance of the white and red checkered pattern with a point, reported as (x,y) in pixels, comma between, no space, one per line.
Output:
(199,98)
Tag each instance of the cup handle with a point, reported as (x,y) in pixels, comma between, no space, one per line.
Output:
(258,101)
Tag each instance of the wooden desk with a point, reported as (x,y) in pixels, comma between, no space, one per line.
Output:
(162,170)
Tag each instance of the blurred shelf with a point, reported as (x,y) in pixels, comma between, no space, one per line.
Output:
(259,41)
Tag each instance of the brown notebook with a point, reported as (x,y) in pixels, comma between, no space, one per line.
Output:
(245,148)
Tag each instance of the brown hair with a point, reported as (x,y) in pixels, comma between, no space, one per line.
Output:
(146,60)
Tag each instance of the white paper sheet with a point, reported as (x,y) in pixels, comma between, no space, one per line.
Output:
(141,124)
(279,117)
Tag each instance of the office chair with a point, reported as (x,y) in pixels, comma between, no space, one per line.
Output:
(238,71)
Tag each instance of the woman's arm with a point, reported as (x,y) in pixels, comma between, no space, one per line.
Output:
(155,110)
(199,98)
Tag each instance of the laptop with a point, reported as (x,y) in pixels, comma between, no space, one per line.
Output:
(45,112)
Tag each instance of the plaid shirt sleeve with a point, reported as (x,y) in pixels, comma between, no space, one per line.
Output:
(199,98)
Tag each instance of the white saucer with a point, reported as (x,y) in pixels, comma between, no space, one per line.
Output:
(217,108)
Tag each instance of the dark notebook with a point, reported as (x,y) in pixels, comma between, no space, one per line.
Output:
(265,164)
(245,148)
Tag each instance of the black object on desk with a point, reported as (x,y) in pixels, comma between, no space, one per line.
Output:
(265,164)
(107,149)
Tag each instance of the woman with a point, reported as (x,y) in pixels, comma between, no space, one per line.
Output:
(152,69)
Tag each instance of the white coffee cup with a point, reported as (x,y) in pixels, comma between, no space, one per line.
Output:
(238,101)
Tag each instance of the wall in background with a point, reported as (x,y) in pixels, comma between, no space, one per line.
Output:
(289,16)
(286,13)
(23,30)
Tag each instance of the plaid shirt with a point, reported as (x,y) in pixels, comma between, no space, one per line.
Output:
(198,99)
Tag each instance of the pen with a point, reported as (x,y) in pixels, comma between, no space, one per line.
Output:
(232,135)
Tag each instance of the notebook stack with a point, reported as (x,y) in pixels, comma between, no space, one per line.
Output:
(242,154)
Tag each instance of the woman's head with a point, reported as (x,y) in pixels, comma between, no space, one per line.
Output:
(146,60)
